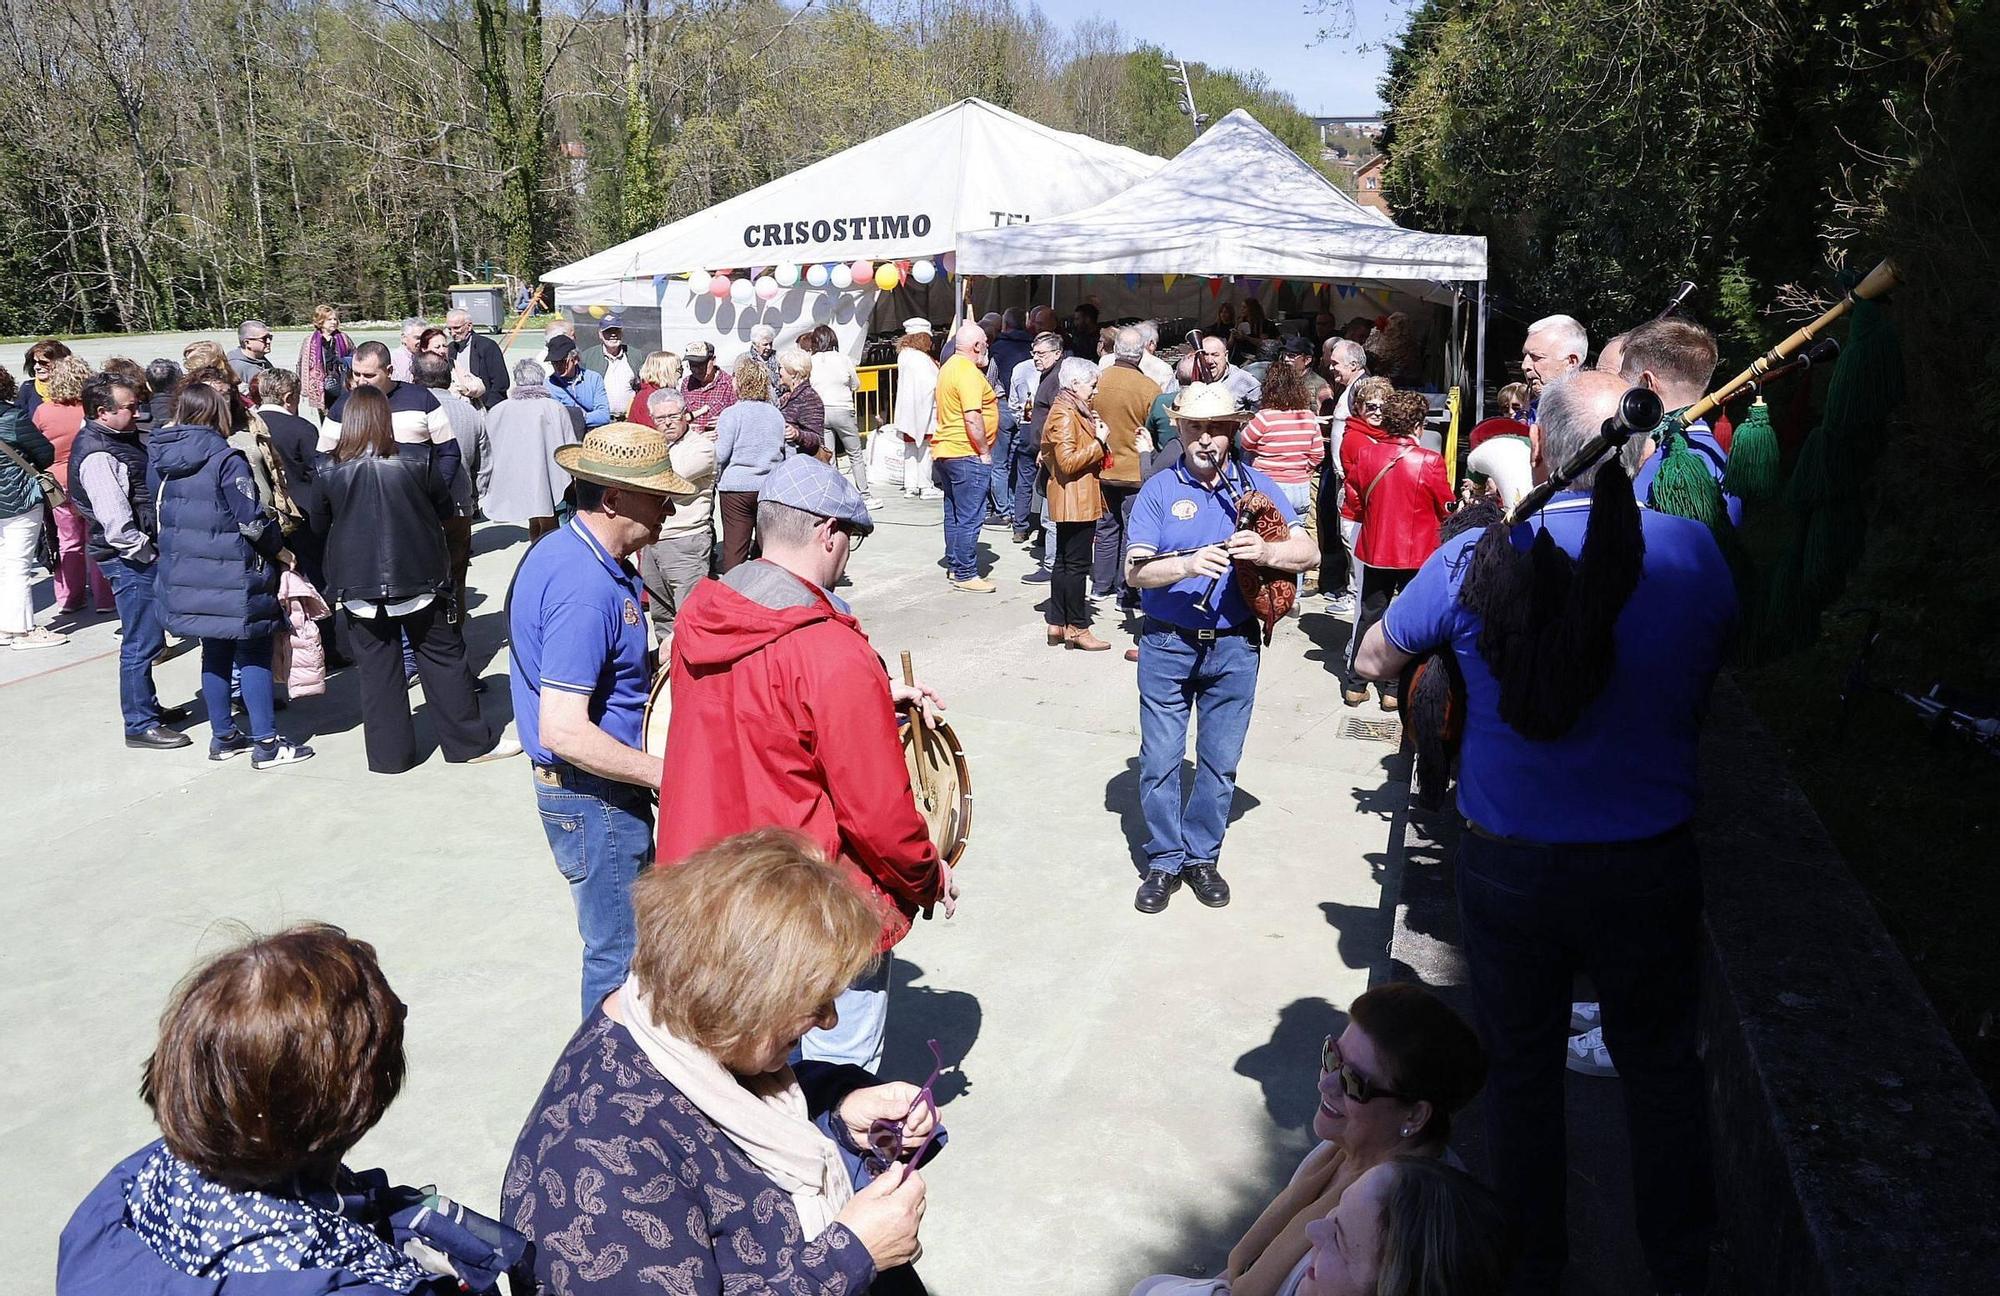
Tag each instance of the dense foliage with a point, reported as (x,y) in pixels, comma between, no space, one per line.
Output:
(184,164)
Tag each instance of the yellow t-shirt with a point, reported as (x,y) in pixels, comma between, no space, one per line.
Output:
(961,387)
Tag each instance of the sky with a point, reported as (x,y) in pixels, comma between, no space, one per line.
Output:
(1335,78)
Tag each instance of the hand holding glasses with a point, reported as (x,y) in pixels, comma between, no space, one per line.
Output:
(886,1137)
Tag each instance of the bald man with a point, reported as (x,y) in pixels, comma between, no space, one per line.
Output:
(968,419)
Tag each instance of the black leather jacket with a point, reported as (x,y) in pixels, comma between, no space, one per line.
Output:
(383,528)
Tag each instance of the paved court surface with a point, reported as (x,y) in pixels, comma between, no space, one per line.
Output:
(1126,1091)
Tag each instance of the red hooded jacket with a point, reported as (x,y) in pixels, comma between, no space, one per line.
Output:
(1403,494)
(1360,435)
(782,718)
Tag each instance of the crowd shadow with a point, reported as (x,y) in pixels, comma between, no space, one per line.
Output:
(1329,635)
(919,1014)
(1121,796)
(1195,1240)
(495,536)
(1364,932)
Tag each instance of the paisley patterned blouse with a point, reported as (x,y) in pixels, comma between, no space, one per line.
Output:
(624,1186)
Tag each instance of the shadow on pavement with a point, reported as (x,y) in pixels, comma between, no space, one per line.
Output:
(1329,636)
(1121,796)
(923,1013)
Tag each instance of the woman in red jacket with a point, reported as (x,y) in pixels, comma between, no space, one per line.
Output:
(1400,493)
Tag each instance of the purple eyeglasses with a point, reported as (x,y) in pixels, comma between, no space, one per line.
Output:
(885,1137)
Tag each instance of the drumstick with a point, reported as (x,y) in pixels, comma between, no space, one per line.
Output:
(917,719)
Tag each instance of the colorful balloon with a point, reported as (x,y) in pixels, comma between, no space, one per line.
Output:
(741,292)
(924,270)
(718,287)
(862,271)
(767,288)
(887,276)
(817,276)
(597,312)
(843,277)
(786,275)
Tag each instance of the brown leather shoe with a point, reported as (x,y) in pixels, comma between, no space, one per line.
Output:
(1083,641)
(1386,700)
(1131,654)
(1056,636)
(1354,697)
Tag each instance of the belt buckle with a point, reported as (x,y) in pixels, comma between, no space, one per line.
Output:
(548,776)
(1205,635)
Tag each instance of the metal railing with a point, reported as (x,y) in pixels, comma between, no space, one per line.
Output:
(875,398)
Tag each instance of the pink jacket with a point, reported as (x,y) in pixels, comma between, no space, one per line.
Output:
(297,656)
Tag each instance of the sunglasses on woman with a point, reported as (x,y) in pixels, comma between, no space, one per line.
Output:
(1358,1088)
(885,1137)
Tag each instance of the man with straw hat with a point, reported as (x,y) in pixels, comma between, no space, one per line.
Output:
(1198,650)
(580,676)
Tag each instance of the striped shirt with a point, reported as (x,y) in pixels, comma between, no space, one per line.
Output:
(1284,445)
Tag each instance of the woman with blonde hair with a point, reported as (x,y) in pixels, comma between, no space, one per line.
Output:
(674,1134)
(660,372)
(59,418)
(1412,1226)
(324,359)
(750,441)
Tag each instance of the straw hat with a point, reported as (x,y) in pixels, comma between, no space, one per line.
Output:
(630,455)
(1207,403)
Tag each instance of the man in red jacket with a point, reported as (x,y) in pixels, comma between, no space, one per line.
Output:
(784,716)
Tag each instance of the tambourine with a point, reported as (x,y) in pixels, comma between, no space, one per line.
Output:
(659,710)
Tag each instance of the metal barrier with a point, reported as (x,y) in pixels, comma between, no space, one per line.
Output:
(875,398)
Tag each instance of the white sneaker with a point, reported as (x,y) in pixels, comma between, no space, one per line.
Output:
(39,637)
(1341,605)
(501,750)
(873,503)
(1588,1055)
(1585,1016)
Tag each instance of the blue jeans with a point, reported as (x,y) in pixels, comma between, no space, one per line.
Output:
(963,481)
(1000,493)
(601,833)
(1211,684)
(1023,469)
(1629,914)
(863,1009)
(144,638)
(249,660)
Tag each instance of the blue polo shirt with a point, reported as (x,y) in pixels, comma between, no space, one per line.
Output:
(574,621)
(1701,440)
(1626,771)
(1173,512)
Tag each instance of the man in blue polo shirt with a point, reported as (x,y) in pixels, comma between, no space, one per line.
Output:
(580,675)
(1578,854)
(575,386)
(1197,655)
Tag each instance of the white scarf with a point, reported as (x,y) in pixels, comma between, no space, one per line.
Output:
(765,1115)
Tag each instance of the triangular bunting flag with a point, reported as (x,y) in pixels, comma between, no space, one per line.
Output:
(1168,280)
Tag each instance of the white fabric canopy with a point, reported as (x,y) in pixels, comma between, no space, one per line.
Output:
(1235,202)
(911,192)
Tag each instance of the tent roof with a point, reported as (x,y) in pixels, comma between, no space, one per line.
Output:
(967,166)
(1235,202)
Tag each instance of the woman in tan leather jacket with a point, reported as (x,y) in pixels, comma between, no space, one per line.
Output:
(1073,442)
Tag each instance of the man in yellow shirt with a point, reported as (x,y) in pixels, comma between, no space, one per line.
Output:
(968,418)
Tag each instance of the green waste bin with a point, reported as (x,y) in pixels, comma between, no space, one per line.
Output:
(486,303)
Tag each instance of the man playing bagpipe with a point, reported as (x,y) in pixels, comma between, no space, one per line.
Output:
(1588,635)
(1198,653)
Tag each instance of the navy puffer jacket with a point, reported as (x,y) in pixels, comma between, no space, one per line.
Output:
(217,576)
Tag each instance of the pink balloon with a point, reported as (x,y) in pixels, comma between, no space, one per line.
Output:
(863,271)
(767,288)
(718,286)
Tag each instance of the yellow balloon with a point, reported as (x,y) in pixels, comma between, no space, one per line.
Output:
(887,276)
(597,312)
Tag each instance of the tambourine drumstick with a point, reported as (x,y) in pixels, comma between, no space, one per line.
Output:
(916,710)
(1880,280)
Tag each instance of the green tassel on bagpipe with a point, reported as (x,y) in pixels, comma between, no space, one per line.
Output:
(1752,474)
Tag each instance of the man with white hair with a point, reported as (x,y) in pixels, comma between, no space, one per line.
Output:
(1150,363)
(612,360)
(1125,397)
(671,565)
(403,358)
(1346,365)
(764,345)
(968,418)
(1578,782)
(474,353)
(1556,345)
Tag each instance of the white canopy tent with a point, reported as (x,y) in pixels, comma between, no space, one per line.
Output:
(913,192)
(1236,203)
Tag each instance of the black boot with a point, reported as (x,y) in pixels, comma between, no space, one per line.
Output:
(1207,885)
(1154,892)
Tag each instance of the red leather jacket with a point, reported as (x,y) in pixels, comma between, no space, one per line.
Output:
(1402,495)
(1360,435)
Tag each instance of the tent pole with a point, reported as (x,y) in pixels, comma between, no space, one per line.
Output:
(1479,363)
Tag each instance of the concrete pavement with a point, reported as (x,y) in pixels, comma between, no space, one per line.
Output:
(1125,1091)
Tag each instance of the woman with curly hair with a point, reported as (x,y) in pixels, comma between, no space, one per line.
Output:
(59,418)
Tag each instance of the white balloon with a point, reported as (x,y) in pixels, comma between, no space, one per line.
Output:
(816,275)
(786,275)
(843,277)
(741,292)
(924,271)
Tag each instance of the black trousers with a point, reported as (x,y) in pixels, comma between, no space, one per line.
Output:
(1378,586)
(1107,572)
(376,644)
(1629,914)
(1069,605)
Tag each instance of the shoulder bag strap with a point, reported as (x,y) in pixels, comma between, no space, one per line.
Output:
(1387,468)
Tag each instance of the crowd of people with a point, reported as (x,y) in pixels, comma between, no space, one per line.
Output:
(715,1124)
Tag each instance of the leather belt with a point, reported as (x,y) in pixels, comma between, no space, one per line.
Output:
(1204,634)
(551,775)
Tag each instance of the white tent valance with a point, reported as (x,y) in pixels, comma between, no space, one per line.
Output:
(1235,202)
(911,192)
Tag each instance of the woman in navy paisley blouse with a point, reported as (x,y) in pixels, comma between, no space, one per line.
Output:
(673,1150)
